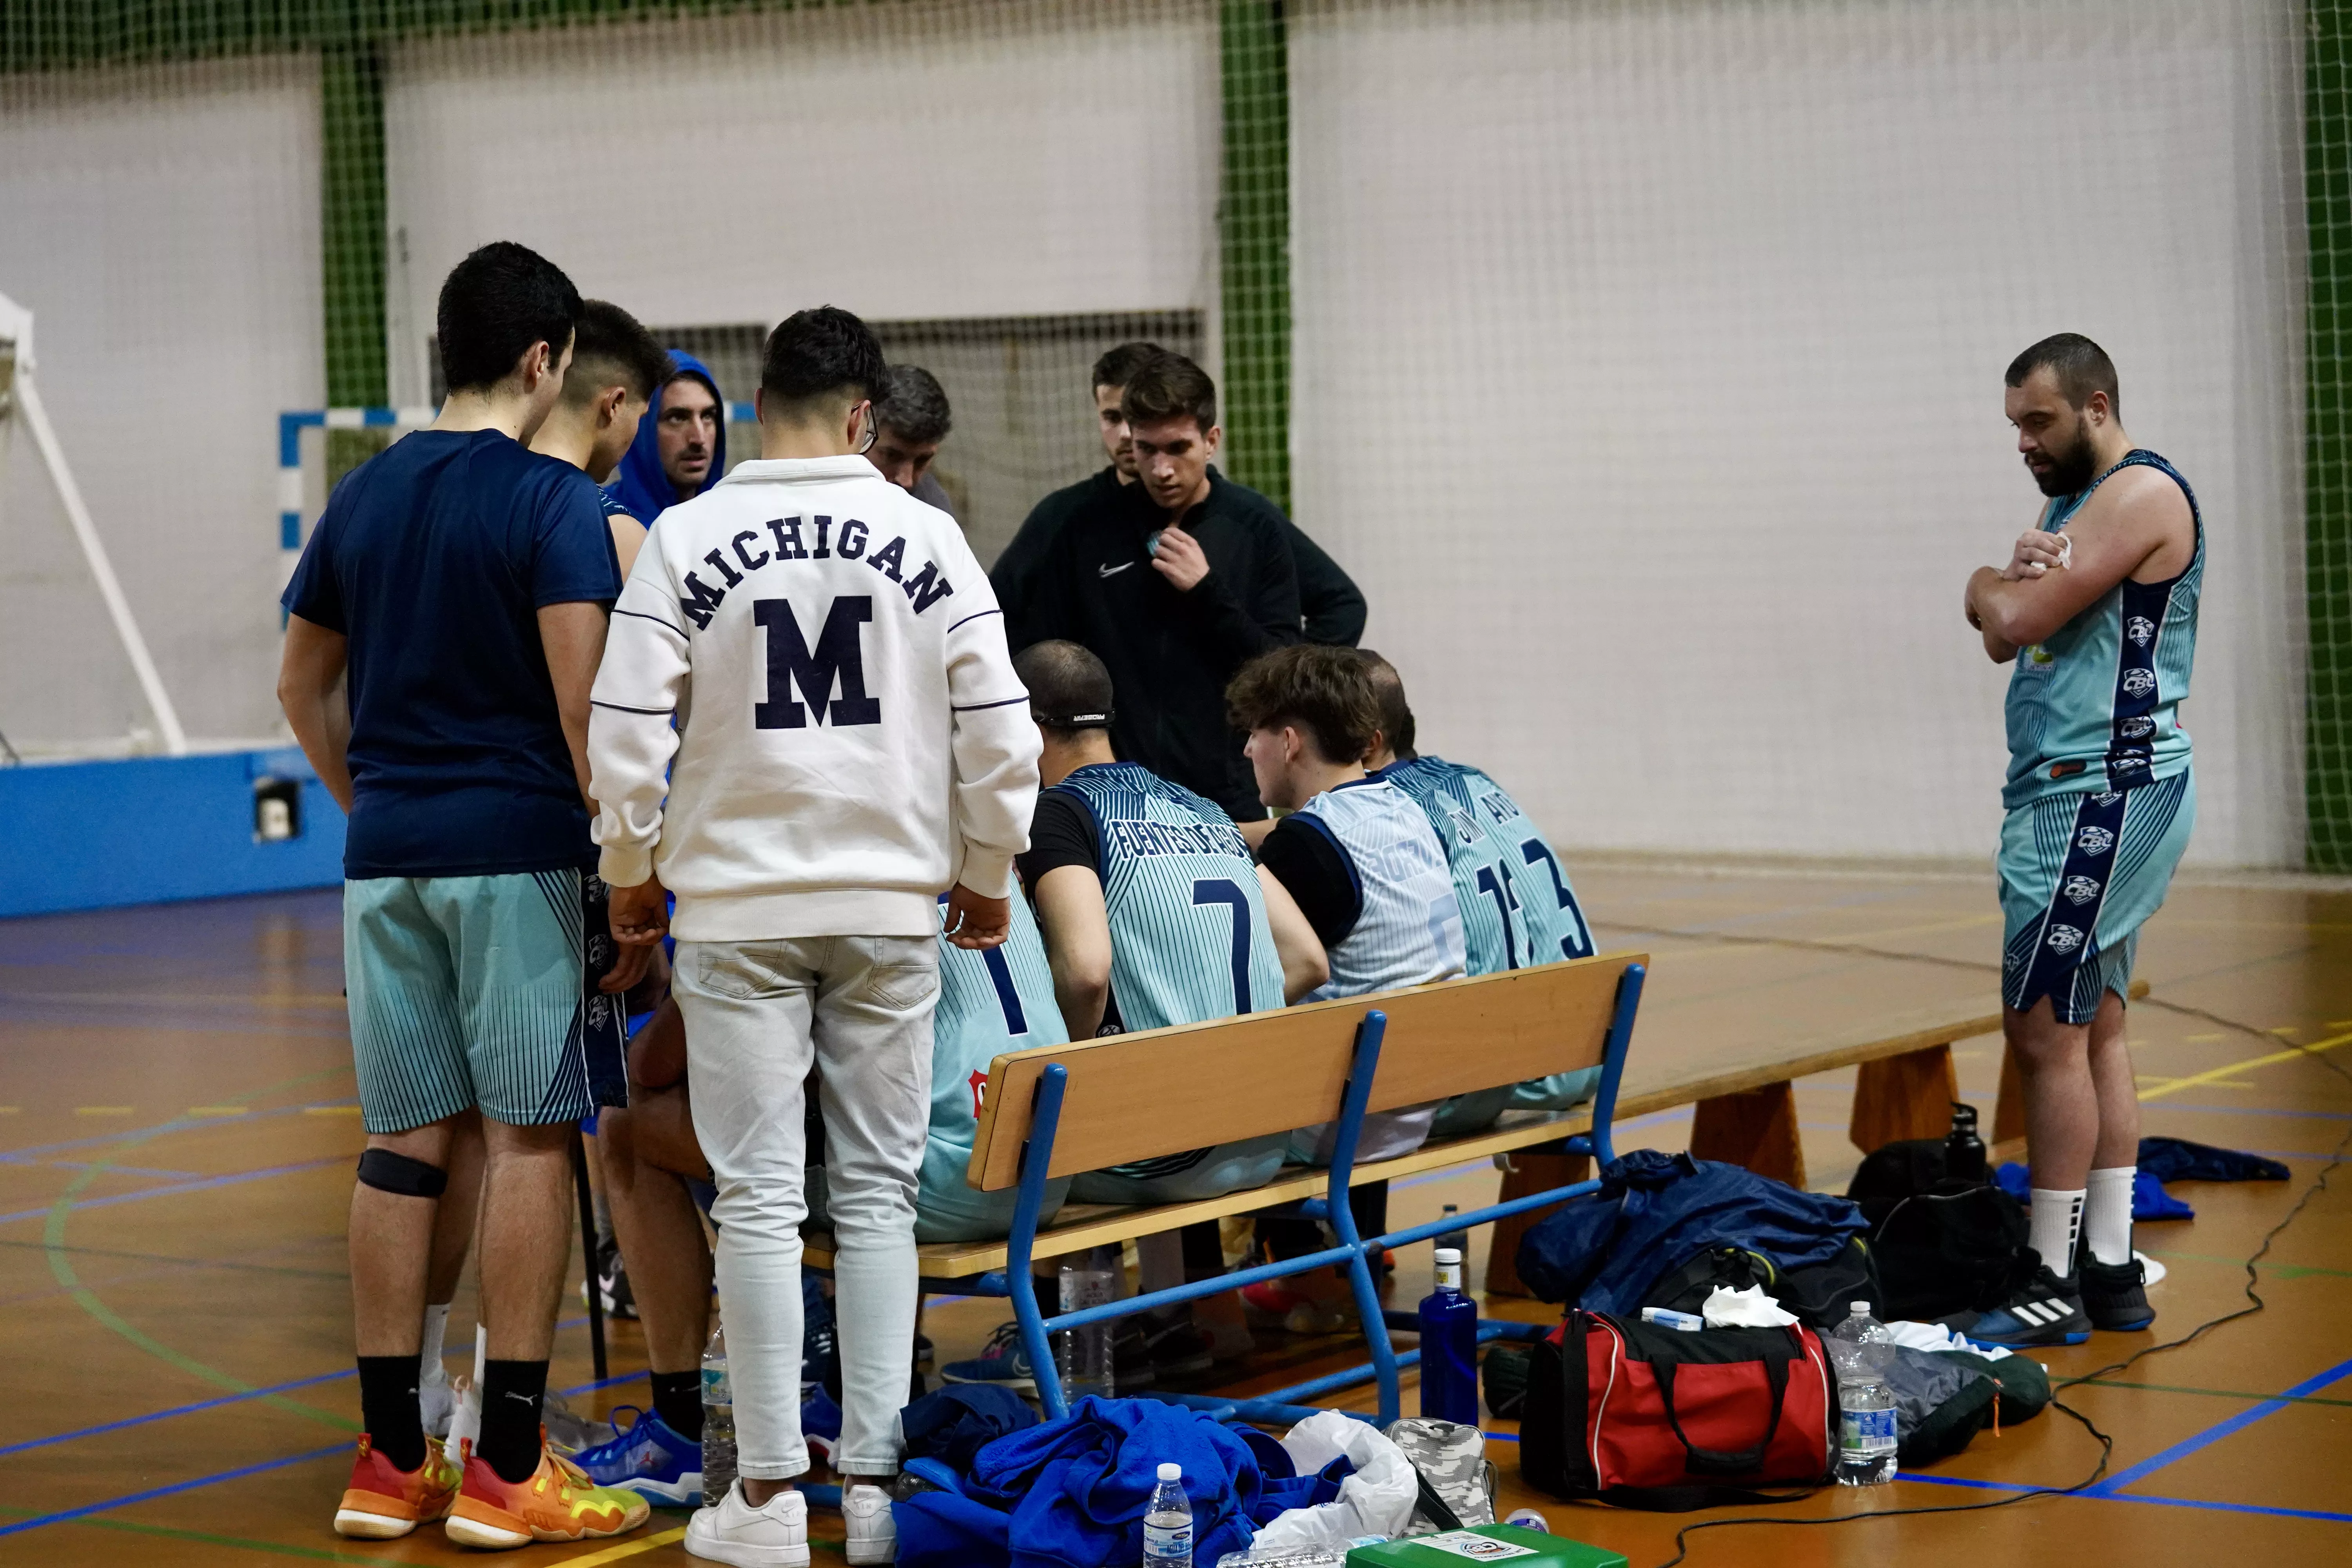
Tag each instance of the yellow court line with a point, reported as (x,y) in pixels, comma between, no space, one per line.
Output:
(216,1111)
(627,1549)
(104,1110)
(2217,1074)
(331,1110)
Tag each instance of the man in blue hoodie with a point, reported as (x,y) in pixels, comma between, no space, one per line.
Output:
(681,445)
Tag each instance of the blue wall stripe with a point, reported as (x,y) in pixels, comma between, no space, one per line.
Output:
(150,830)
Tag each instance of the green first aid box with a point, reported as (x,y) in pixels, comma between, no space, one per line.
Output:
(1504,1543)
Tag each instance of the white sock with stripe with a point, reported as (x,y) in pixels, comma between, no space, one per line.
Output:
(2108,1214)
(2057,1221)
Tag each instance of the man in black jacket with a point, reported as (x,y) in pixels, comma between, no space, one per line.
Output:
(1174,581)
(1331,607)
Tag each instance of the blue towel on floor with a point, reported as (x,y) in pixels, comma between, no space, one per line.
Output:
(2149,1200)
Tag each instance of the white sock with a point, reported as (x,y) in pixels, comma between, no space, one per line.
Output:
(2106,1215)
(437,1325)
(2057,1221)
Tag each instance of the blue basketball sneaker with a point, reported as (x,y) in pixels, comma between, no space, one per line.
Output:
(2046,1310)
(649,1459)
(1004,1362)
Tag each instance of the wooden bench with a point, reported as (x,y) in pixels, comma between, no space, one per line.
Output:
(1058,1110)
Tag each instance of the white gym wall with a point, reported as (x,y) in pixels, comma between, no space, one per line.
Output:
(1649,368)
(915,160)
(163,225)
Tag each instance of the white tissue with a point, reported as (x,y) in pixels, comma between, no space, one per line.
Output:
(1935,1337)
(1749,1308)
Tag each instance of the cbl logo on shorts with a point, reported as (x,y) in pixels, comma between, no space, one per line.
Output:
(2082,889)
(2139,682)
(2065,939)
(2141,630)
(2096,840)
(2138,728)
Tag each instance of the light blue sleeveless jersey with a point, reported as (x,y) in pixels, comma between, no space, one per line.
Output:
(1408,931)
(1518,911)
(2097,706)
(989,1003)
(1189,942)
(1189,939)
(1517,908)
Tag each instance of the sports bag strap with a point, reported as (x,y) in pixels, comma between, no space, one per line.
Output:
(1713,1461)
(1430,1505)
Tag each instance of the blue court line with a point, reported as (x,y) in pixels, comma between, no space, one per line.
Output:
(62,1515)
(119,1170)
(2219,1430)
(232,1179)
(260,1392)
(178,1410)
(176,1125)
(65,1515)
(2129,1497)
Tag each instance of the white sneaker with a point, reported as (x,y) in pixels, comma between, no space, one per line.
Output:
(435,1399)
(873,1533)
(773,1536)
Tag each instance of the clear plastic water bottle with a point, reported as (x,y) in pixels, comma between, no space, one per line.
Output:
(1168,1522)
(1084,1355)
(1863,1349)
(718,1420)
(1449,1346)
(1459,1240)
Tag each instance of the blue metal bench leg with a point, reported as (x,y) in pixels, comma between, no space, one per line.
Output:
(1036,1154)
(1342,1216)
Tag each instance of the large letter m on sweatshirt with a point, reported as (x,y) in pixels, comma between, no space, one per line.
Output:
(838,655)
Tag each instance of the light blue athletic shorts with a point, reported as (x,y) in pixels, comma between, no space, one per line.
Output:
(1184,1178)
(466,991)
(2080,874)
(949,1208)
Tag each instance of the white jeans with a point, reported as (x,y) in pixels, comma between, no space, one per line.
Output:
(758,1014)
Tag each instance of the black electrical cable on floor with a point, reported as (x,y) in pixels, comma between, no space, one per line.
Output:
(2106,1444)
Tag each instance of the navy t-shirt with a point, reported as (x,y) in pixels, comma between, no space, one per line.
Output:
(434,558)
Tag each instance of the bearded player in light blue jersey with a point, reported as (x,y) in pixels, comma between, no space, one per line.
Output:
(1517,909)
(2098,608)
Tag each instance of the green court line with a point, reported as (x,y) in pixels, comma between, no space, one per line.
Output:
(61,1266)
(2269,1271)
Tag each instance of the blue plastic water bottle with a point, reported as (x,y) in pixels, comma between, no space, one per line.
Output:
(1449,1346)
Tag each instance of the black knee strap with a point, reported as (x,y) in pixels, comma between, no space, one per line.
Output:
(397,1174)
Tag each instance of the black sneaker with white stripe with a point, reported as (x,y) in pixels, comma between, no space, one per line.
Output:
(2047,1310)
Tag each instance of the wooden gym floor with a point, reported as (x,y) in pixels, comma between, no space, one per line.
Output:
(177,1129)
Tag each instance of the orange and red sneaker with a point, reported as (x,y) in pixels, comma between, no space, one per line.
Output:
(556,1503)
(384,1503)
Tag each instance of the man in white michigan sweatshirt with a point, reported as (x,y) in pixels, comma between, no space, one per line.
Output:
(807,728)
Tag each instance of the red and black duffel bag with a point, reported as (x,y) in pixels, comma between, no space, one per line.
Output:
(1652,1417)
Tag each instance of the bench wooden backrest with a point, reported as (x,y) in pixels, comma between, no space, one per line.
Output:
(1162,1091)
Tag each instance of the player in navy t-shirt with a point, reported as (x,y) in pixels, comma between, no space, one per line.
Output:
(458,583)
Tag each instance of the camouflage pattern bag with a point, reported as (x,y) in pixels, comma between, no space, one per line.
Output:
(1452,1459)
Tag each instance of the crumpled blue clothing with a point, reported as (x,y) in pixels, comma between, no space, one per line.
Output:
(953,1423)
(2178,1160)
(640,486)
(1074,1490)
(1655,1210)
(2150,1202)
